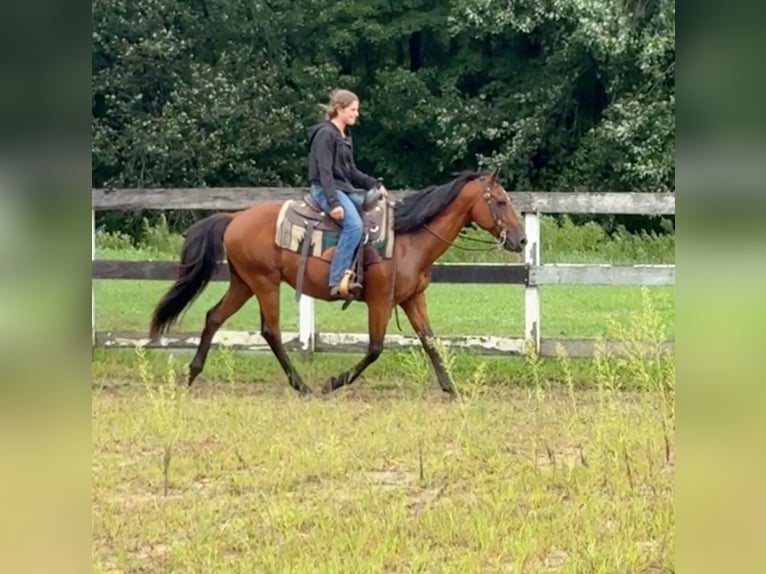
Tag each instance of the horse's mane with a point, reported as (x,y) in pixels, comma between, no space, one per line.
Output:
(420,207)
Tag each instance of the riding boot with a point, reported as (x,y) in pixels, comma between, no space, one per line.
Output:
(354,289)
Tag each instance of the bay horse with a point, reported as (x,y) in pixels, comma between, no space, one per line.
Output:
(426,223)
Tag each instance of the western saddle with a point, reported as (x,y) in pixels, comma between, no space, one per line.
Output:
(303,227)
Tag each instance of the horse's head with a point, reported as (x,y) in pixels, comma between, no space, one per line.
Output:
(493,212)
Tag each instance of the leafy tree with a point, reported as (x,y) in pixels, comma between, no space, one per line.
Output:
(561,94)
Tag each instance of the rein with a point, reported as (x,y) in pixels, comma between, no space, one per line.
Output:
(497,244)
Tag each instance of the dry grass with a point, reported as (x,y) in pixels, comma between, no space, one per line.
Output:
(264,481)
(549,477)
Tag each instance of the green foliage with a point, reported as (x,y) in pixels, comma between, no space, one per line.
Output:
(167,408)
(566,94)
(563,241)
(160,239)
(591,103)
(113,241)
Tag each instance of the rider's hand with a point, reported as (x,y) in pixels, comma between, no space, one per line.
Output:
(337,213)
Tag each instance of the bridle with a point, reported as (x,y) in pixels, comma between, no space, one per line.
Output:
(495,212)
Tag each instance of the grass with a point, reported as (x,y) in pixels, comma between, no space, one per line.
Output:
(573,311)
(568,311)
(643,325)
(464,309)
(252,478)
(540,465)
(262,481)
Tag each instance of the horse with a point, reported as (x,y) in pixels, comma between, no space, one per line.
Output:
(426,223)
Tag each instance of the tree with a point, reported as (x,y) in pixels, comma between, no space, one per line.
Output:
(561,94)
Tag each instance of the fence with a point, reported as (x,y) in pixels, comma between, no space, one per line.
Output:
(532,273)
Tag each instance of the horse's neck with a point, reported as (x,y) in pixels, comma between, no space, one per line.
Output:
(433,242)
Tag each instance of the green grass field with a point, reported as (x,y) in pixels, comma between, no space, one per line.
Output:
(572,311)
(567,310)
(541,465)
(251,478)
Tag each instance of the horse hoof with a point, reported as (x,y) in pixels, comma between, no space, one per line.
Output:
(303,389)
(327,387)
(450,394)
(193,374)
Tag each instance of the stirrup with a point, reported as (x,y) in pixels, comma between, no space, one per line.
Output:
(346,286)
(353,289)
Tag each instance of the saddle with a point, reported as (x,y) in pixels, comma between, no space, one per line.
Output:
(302,227)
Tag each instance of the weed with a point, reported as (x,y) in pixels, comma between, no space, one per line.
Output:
(159,238)
(167,408)
(416,368)
(396,482)
(226,351)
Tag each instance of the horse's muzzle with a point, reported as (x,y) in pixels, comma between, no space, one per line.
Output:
(514,244)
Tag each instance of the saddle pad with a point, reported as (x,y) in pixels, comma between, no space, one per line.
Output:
(295,216)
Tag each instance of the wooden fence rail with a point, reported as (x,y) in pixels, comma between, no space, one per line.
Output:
(532,273)
(234,198)
(492,273)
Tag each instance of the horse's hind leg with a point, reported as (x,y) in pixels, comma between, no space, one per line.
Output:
(268,297)
(231,302)
(379,313)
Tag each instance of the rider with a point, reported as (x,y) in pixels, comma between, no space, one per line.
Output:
(333,176)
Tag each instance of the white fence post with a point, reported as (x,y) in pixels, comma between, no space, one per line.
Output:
(306,324)
(532,292)
(92,289)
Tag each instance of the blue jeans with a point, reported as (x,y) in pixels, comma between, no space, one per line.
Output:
(350,230)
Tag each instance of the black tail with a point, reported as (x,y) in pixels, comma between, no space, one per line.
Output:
(200,255)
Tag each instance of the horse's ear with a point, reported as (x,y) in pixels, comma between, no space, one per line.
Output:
(493,176)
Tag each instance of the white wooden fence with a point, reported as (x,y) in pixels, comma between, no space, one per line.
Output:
(536,273)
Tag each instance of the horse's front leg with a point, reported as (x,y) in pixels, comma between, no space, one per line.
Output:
(379,314)
(268,298)
(415,308)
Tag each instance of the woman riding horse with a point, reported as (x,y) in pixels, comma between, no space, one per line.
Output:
(426,223)
(333,176)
